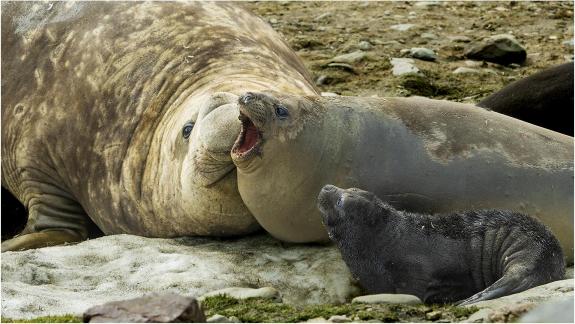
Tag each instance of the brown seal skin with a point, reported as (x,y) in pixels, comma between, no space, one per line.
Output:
(463,257)
(420,155)
(121,115)
(544,99)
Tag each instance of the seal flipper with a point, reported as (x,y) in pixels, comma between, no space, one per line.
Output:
(54,219)
(41,239)
(506,285)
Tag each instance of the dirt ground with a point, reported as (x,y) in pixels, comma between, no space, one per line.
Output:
(319,31)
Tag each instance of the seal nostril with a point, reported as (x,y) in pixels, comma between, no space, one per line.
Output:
(328,188)
(246,98)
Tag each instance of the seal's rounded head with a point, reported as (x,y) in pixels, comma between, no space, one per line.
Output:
(348,205)
(265,116)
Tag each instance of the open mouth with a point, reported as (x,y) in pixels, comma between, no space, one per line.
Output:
(248,141)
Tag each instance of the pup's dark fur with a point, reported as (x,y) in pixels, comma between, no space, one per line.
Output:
(467,256)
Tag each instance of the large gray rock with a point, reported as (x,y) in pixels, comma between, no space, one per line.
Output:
(514,305)
(153,308)
(501,49)
(557,311)
(70,279)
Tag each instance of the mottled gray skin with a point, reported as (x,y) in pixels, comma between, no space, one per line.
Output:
(466,256)
(418,154)
(95,97)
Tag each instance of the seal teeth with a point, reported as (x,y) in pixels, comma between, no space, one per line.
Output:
(248,140)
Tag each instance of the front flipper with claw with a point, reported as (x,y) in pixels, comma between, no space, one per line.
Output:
(53,220)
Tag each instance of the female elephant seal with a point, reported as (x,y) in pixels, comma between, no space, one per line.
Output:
(466,256)
(419,154)
(123,114)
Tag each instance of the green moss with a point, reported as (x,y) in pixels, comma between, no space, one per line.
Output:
(262,310)
(45,319)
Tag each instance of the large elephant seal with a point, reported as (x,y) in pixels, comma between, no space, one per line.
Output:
(421,155)
(465,256)
(544,99)
(123,114)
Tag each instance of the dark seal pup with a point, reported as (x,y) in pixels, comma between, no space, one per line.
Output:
(466,256)
(544,99)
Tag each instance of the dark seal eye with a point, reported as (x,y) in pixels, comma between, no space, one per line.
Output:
(339,202)
(187,130)
(282,112)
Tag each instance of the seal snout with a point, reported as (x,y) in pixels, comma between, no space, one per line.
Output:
(327,198)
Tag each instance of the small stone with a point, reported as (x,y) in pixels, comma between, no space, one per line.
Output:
(501,49)
(392,42)
(342,66)
(460,39)
(434,315)
(465,70)
(402,27)
(422,53)
(387,299)
(553,37)
(349,58)
(429,36)
(473,64)
(317,320)
(273,21)
(321,80)
(403,66)
(568,43)
(426,4)
(322,16)
(217,318)
(153,308)
(329,94)
(244,293)
(339,319)
(365,45)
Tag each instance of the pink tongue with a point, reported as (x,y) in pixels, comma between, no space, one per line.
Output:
(250,138)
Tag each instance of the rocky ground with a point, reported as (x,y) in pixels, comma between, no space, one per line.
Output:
(320,31)
(263,280)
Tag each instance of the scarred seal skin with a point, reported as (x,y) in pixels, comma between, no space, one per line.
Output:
(418,154)
(544,99)
(463,257)
(121,115)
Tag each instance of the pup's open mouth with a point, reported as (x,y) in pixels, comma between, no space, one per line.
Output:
(249,140)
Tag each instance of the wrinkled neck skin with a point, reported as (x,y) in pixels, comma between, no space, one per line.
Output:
(285,180)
